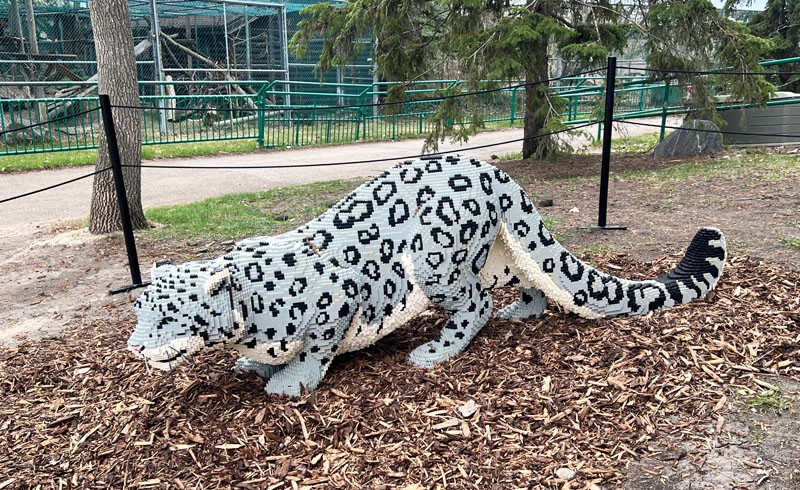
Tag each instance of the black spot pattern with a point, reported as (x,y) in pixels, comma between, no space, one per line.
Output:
(288,284)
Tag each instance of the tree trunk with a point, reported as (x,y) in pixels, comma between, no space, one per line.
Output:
(16,24)
(536,104)
(36,72)
(33,36)
(116,69)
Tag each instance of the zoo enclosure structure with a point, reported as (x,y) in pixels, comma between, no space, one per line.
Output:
(47,52)
(282,113)
(184,39)
(215,70)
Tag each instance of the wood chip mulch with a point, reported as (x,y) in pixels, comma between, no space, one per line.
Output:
(528,403)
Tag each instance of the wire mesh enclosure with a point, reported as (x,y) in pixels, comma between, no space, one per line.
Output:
(203,68)
(183,39)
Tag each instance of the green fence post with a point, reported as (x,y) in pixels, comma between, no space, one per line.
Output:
(575,107)
(513,104)
(359,115)
(261,105)
(641,98)
(664,110)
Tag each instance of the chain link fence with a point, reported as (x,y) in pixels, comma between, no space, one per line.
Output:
(213,56)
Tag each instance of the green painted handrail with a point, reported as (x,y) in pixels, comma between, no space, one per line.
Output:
(328,113)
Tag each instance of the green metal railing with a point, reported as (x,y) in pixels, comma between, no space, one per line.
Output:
(282,113)
(296,113)
(77,128)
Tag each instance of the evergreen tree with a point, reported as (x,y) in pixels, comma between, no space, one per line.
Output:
(780,23)
(510,40)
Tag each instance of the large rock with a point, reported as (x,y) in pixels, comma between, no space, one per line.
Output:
(686,142)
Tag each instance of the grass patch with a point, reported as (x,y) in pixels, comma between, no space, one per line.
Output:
(771,401)
(598,249)
(198,148)
(641,143)
(74,158)
(514,155)
(38,161)
(766,165)
(756,434)
(238,215)
(552,224)
(791,243)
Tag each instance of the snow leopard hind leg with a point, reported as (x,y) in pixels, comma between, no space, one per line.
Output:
(469,309)
(530,304)
(247,365)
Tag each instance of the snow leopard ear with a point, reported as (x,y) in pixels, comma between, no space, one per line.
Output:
(217,281)
(159,268)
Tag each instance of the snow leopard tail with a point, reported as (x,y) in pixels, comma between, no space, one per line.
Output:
(540,262)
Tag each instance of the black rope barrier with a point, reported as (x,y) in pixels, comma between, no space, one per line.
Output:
(361,106)
(63,118)
(327,164)
(43,189)
(700,130)
(358,162)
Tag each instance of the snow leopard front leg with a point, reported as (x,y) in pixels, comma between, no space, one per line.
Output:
(335,307)
(247,365)
(448,255)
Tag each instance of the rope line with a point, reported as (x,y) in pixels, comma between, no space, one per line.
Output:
(43,189)
(699,130)
(22,128)
(328,164)
(363,106)
(356,162)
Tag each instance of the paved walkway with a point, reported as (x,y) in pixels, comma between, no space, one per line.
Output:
(171,186)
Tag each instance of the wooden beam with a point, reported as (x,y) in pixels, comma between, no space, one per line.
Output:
(209,62)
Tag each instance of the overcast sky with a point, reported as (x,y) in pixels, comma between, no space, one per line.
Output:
(755,5)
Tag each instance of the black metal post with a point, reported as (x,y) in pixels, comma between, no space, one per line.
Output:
(122,198)
(608,122)
(605,166)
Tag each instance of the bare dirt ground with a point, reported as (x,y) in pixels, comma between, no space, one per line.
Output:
(657,402)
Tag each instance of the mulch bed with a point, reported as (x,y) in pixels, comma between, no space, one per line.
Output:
(526,400)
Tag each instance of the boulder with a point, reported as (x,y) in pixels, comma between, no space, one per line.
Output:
(686,142)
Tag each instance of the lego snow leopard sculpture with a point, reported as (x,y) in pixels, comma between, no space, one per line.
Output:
(441,230)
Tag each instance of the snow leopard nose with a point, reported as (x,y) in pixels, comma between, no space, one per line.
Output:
(136,349)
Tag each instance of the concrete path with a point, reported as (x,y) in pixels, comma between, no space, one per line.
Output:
(171,186)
